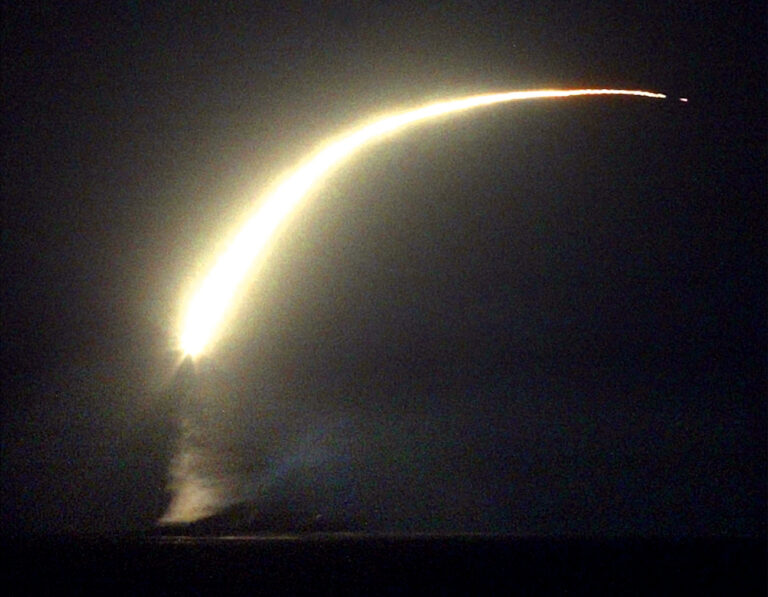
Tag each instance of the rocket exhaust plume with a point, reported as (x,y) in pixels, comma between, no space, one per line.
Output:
(210,468)
(208,305)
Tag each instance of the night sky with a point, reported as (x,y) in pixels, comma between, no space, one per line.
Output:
(538,318)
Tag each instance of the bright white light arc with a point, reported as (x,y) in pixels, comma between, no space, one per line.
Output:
(207,307)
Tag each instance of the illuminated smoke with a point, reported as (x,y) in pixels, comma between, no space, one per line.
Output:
(209,304)
(229,451)
(206,469)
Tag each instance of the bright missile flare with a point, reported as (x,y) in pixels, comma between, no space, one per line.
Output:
(208,305)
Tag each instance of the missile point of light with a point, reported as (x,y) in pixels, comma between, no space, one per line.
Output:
(684,99)
(207,307)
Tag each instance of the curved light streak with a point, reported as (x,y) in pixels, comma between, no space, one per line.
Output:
(208,305)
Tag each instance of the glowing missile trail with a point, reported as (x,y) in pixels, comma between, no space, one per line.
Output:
(208,305)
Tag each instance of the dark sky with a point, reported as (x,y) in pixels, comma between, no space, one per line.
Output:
(537,318)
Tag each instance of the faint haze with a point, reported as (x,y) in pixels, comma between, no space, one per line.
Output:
(527,454)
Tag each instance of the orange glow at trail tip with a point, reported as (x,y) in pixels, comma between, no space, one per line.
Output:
(206,307)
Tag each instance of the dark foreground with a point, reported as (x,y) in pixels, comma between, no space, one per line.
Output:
(392,564)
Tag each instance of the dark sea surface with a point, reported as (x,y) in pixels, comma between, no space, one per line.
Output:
(383,564)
